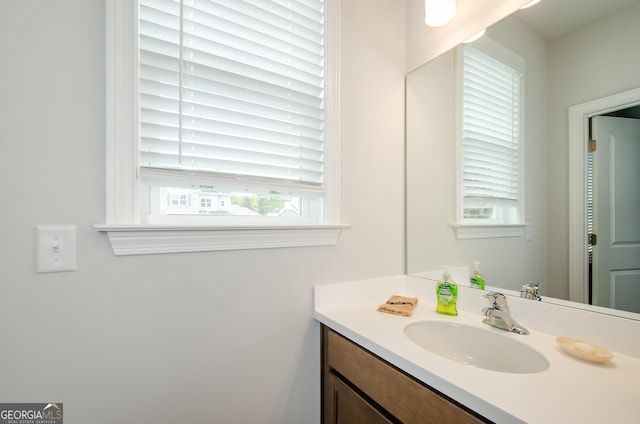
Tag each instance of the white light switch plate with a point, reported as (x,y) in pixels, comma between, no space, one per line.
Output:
(55,248)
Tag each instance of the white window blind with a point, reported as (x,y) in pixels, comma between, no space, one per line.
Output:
(233,91)
(490,129)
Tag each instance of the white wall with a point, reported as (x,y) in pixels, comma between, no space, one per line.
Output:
(225,337)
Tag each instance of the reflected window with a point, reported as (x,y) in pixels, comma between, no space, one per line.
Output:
(490,82)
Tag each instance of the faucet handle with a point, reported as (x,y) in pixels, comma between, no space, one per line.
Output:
(492,296)
(497,300)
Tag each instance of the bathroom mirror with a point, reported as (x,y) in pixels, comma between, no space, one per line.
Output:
(576,52)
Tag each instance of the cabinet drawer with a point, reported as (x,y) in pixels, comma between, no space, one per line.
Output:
(404,397)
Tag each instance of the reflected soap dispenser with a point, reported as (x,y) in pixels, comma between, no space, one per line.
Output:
(447,295)
(477,280)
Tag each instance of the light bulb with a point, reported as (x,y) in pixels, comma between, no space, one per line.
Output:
(439,12)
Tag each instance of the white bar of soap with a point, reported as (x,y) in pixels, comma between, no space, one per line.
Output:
(585,347)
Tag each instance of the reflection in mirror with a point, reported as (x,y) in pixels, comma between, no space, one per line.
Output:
(575,51)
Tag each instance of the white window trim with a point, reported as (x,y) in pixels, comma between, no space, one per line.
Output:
(150,239)
(126,235)
(473,231)
(465,231)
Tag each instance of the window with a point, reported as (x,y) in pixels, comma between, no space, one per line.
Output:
(178,200)
(223,100)
(491,92)
(205,203)
(231,97)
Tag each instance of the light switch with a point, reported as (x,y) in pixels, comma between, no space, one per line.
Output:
(55,248)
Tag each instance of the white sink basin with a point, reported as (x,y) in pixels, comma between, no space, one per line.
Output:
(479,347)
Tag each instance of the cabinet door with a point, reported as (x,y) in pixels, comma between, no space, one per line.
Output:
(402,398)
(348,407)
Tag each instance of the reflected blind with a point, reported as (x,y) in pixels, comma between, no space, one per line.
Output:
(490,129)
(233,89)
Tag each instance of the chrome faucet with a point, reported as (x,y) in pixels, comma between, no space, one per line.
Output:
(498,314)
(530,291)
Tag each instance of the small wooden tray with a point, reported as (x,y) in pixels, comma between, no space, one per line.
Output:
(584,350)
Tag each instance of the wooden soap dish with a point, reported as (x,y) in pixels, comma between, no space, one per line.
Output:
(584,350)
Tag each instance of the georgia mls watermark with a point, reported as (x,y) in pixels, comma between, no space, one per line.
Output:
(31,413)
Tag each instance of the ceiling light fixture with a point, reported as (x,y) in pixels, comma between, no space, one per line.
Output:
(531,3)
(439,12)
(474,37)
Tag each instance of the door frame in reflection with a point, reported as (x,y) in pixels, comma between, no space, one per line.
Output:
(579,116)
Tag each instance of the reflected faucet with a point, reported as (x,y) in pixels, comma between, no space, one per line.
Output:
(530,291)
(498,314)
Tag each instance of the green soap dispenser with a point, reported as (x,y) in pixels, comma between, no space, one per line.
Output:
(447,295)
(477,280)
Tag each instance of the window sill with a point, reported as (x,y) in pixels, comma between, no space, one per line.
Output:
(154,239)
(471,231)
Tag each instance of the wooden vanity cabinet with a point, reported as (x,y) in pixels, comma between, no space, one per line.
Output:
(359,387)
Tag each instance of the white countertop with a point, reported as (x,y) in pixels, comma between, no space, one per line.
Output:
(569,391)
